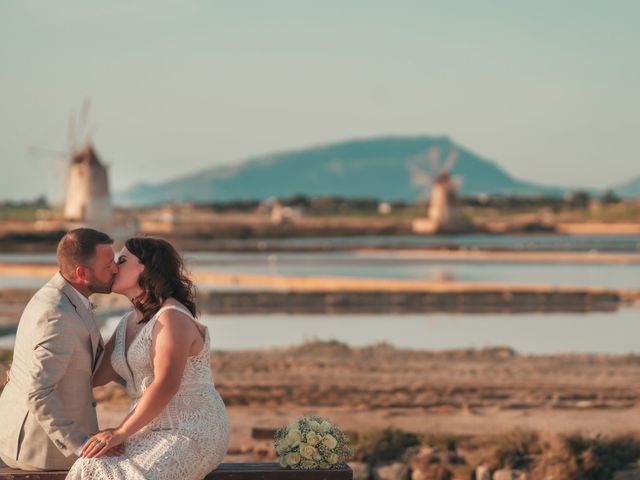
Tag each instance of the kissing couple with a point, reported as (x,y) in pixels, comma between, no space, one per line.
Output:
(177,424)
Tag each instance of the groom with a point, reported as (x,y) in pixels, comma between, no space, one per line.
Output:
(47,409)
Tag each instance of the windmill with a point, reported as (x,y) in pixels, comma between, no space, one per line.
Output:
(87,196)
(441,188)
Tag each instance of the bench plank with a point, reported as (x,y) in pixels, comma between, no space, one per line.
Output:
(269,433)
(225,471)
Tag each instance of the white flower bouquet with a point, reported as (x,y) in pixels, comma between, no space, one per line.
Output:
(312,443)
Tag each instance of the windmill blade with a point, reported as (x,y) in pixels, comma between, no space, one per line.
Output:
(433,156)
(84,114)
(71,138)
(450,161)
(57,167)
(419,178)
(456,182)
(34,150)
(62,174)
(90,133)
(424,197)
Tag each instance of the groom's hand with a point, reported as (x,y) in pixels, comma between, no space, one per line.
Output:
(6,375)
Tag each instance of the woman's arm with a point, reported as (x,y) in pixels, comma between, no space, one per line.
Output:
(174,334)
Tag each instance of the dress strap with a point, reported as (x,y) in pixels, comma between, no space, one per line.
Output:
(188,314)
(175,307)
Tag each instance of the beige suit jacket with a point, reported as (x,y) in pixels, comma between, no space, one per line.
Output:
(47,408)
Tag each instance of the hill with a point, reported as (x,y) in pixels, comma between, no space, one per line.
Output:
(379,167)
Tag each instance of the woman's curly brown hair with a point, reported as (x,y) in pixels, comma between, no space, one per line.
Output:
(163,276)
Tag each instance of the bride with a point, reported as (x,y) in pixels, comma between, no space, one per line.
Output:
(177,425)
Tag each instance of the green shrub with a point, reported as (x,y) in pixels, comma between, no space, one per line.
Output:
(375,446)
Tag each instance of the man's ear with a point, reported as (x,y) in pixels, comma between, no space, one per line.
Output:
(81,272)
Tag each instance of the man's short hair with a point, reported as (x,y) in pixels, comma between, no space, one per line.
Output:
(78,247)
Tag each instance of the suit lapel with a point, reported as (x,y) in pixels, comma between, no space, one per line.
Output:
(97,346)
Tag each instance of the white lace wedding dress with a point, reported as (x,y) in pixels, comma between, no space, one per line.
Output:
(190,436)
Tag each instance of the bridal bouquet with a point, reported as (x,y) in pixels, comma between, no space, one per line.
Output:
(311,443)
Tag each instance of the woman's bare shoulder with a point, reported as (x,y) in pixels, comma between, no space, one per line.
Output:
(175,317)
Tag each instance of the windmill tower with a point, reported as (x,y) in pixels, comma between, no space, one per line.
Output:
(442,215)
(88,200)
(87,196)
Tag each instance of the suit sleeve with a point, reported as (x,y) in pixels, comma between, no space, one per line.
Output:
(51,357)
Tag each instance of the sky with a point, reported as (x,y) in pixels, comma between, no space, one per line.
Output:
(548,90)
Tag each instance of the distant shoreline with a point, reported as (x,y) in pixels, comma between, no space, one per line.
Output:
(246,235)
(346,244)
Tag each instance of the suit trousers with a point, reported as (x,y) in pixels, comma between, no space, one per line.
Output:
(4,461)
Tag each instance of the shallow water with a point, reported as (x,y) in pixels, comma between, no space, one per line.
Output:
(537,242)
(379,265)
(616,332)
(598,332)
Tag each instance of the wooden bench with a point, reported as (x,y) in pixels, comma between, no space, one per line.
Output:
(268,433)
(226,471)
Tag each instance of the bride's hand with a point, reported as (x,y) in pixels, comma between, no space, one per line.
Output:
(102,442)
